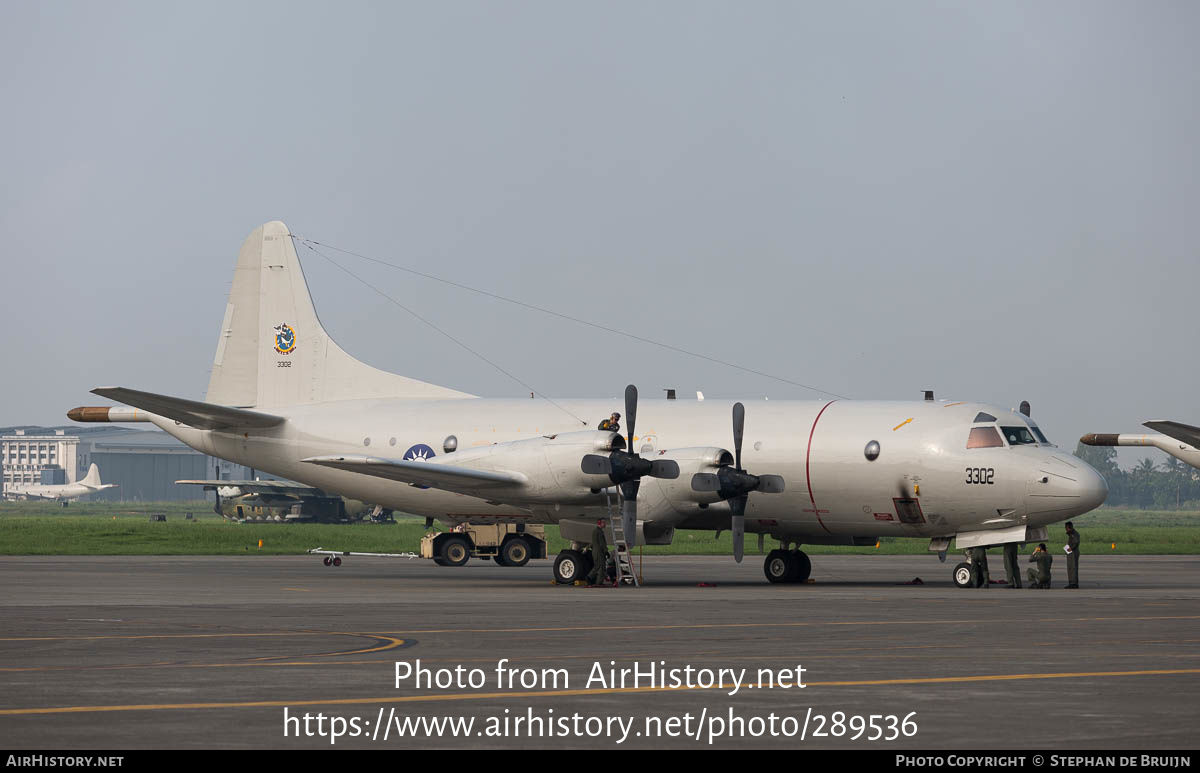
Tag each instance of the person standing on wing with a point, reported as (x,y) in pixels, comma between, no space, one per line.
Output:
(611,424)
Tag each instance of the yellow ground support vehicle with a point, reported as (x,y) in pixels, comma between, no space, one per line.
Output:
(508,544)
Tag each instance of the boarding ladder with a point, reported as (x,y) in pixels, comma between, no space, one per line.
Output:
(623,561)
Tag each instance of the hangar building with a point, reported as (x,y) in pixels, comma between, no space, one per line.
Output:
(143,464)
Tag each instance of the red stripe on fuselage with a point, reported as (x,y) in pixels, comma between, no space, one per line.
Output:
(807,459)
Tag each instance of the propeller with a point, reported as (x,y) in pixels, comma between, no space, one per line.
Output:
(734,484)
(626,468)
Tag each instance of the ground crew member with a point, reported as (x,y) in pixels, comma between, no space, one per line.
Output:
(1072,556)
(599,573)
(611,424)
(979,567)
(1040,578)
(1011,570)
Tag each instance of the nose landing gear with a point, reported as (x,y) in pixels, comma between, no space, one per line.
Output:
(787,566)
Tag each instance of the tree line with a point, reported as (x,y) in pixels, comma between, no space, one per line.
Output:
(1169,485)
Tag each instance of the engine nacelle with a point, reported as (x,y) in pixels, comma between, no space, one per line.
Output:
(563,454)
(677,497)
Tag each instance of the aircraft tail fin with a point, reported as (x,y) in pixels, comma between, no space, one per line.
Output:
(273,351)
(93,476)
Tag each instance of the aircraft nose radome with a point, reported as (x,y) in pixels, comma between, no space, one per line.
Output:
(1063,486)
(1093,488)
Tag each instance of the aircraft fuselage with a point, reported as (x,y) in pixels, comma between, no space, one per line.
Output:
(925,482)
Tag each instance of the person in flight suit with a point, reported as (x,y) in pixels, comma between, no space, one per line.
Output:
(1040,578)
(611,424)
(1072,556)
(979,567)
(1011,570)
(599,573)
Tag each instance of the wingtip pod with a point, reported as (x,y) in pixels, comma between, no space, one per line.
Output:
(1093,439)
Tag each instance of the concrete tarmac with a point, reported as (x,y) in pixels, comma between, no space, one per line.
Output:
(210,652)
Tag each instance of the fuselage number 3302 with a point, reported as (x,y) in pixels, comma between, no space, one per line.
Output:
(981,475)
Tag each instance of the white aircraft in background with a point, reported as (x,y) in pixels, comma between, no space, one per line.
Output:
(62,492)
(1181,441)
(284,398)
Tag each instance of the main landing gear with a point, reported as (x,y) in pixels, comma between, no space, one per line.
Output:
(571,566)
(787,566)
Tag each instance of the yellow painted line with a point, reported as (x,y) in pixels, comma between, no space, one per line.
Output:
(901,424)
(571,693)
(947,405)
(173,636)
(586,628)
(301,590)
(839,652)
(389,643)
(805,624)
(1008,677)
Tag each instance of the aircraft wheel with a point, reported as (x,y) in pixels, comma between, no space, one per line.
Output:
(515,552)
(337,561)
(803,566)
(962,575)
(569,567)
(456,551)
(328,560)
(778,566)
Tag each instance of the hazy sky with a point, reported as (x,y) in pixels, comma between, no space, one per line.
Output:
(998,201)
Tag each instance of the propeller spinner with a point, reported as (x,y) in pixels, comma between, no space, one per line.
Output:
(625,467)
(734,484)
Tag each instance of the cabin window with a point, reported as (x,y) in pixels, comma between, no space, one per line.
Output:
(984,437)
(982,417)
(1040,435)
(1019,436)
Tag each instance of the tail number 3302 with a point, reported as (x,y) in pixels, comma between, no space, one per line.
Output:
(981,475)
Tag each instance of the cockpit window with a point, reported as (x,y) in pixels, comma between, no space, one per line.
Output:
(982,417)
(1040,435)
(1019,436)
(984,437)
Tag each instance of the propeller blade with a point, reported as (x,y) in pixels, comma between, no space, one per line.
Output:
(739,425)
(631,400)
(738,526)
(594,464)
(667,469)
(770,484)
(629,492)
(705,481)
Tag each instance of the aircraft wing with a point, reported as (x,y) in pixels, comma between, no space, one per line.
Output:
(190,412)
(259,486)
(442,476)
(1184,433)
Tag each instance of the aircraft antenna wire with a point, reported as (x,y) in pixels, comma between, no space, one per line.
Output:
(439,330)
(309,242)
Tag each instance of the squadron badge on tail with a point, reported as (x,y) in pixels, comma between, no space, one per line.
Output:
(285,339)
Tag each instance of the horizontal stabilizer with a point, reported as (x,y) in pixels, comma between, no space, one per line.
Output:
(432,474)
(1184,433)
(190,412)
